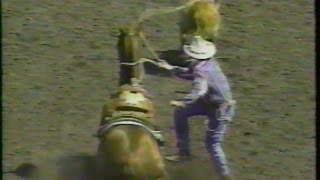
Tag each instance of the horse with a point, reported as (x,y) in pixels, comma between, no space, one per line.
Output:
(202,18)
(128,142)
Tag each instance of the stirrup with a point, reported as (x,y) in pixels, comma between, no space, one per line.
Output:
(159,138)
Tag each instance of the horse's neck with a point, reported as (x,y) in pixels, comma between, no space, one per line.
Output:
(135,82)
(136,85)
(130,55)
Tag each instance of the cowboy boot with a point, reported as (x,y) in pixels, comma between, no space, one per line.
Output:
(179,157)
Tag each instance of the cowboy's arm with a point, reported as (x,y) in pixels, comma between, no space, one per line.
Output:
(182,73)
(200,88)
(186,75)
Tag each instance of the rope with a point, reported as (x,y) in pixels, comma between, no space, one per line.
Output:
(147,14)
(143,60)
(153,52)
(158,59)
(151,12)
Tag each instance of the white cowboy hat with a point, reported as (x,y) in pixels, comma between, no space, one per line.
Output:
(200,48)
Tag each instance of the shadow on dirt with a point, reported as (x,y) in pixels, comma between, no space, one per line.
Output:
(76,167)
(187,171)
(82,167)
(25,170)
(151,69)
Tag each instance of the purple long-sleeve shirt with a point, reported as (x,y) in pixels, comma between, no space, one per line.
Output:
(209,82)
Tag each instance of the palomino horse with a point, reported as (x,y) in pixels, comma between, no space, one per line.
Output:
(201,18)
(128,148)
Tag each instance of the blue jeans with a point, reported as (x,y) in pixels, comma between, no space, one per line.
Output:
(217,127)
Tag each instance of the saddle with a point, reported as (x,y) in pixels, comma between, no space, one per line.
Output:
(130,106)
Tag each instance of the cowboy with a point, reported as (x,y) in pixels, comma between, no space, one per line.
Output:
(210,96)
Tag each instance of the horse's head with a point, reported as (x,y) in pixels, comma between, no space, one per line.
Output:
(128,51)
(128,43)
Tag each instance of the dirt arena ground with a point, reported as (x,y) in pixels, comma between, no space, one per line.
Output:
(60,65)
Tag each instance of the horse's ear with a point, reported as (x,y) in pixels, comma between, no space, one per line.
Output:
(121,30)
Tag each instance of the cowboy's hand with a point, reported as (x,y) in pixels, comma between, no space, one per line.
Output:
(165,65)
(177,103)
